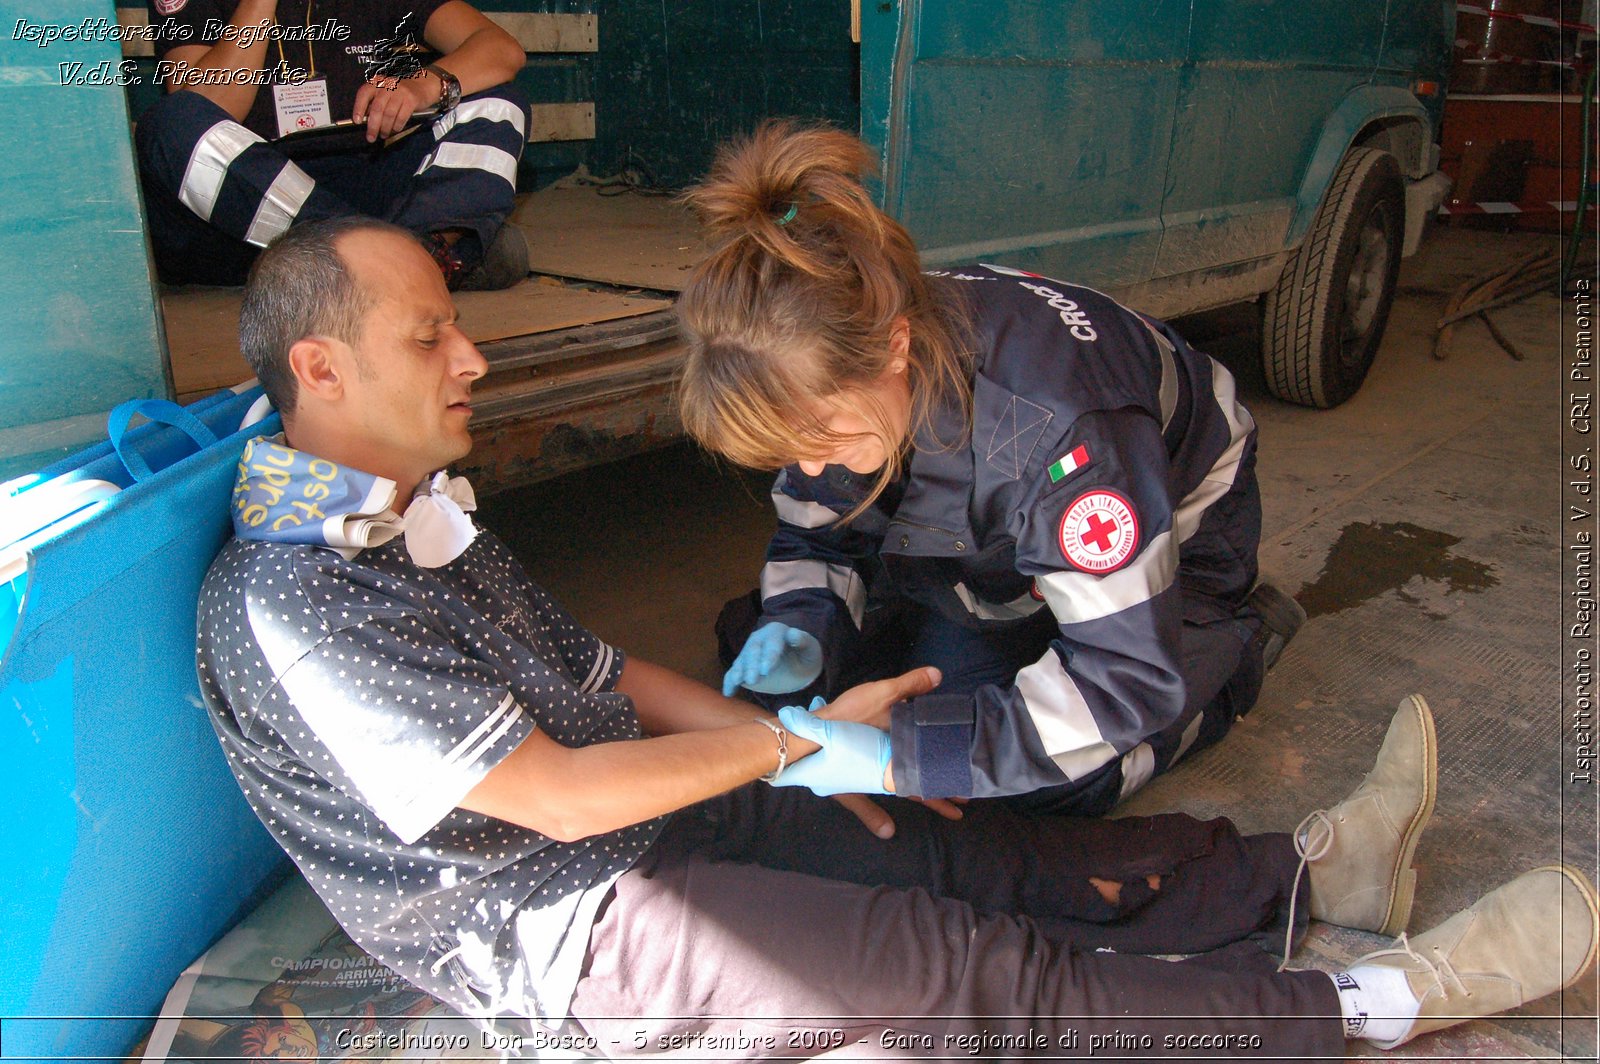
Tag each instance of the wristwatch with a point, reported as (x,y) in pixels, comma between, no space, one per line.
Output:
(449,88)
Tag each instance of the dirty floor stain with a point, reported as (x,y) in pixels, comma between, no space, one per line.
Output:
(1369,559)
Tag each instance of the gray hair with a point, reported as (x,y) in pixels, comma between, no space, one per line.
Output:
(300,287)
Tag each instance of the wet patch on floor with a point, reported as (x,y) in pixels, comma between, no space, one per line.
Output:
(1369,559)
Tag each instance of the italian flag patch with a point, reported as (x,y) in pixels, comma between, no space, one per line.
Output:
(1068,464)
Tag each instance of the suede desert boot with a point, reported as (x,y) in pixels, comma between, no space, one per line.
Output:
(1360,851)
(1533,936)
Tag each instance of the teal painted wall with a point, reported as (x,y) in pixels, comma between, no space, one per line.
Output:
(78,324)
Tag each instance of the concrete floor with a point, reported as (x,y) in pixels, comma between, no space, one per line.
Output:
(1421,524)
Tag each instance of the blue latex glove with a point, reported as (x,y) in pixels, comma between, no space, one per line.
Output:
(776,659)
(853,758)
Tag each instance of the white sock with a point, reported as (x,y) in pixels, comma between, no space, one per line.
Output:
(1377,1003)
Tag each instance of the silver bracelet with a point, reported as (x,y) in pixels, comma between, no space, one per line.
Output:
(783,748)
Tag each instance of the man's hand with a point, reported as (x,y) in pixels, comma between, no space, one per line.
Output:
(387,104)
(776,659)
(869,703)
(870,813)
(668,703)
(854,758)
(877,820)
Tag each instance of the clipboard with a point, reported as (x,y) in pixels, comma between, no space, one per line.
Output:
(345,135)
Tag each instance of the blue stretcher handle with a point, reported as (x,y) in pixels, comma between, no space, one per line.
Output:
(161,411)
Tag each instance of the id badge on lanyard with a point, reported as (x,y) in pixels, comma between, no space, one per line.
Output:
(302,106)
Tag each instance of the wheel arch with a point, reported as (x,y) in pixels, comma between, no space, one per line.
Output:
(1376,116)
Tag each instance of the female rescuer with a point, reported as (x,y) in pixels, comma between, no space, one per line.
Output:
(1050,497)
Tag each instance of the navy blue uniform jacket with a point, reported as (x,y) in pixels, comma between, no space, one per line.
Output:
(1098,440)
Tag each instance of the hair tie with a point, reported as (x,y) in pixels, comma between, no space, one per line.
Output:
(788,215)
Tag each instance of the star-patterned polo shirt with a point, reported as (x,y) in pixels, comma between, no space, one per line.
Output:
(358,701)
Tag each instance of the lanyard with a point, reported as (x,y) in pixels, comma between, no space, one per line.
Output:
(311,54)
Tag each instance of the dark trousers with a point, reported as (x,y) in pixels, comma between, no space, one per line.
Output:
(216,196)
(768,922)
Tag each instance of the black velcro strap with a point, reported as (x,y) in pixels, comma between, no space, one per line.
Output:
(944,744)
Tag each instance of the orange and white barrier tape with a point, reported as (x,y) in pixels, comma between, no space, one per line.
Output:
(1526,207)
(1532,20)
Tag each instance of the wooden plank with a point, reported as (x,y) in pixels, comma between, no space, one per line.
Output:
(638,241)
(560,121)
(539,31)
(203,324)
(536,306)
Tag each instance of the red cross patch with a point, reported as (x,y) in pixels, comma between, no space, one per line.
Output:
(1099,532)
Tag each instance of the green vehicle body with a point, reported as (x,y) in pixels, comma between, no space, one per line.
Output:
(1173,152)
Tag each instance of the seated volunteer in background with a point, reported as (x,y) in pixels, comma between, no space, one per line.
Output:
(463,774)
(219,189)
(1054,496)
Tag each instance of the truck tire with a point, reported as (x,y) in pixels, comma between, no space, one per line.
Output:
(1323,321)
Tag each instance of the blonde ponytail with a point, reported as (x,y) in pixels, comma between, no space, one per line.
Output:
(799,298)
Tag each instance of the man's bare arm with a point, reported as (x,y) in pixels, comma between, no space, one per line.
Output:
(569,793)
(480,54)
(236,99)
(668,702)
(573,793)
